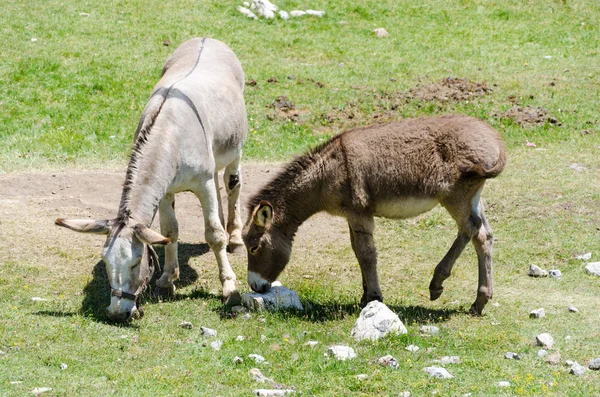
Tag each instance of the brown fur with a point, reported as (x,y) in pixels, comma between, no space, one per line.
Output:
(394,170)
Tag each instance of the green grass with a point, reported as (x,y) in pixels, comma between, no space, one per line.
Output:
(73,98)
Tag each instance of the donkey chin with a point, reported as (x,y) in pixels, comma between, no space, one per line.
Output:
(121,310)
(257,283)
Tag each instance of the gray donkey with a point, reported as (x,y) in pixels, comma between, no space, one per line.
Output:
(193,125)
(396,170)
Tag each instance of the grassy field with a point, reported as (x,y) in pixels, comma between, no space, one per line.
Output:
(71,99)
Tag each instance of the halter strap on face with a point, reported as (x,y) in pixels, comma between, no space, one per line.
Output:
(123,295)
(152,259)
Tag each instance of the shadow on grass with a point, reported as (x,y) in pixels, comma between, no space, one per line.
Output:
(97,292)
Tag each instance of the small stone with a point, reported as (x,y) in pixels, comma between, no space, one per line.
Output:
(216,345)
(569,363)
(555,273)
(537,313)
(553,359)
(272,393)
(246,316)
(239,309)
(186,325)
(375,321)
(381,32)
(536,271)
(277,298)
(240,338)
(263,338)
(341,352)
(284,15)
(258,376)
(594,364)
(584,257)
(405,393)
(542,353)
(362,377)
(388,361)
(429,329)
(545,340)
(312,343)
(2,353)
(496,304)
(573,309)
(297,13)
(593,268)
(449,360)
(412,348)
(238,360)
(40,390)
(438,372)
(38,299)
(512,356)
(257,358)
(503,384)
(63,366)
(577,369)
(315,13)
(208,331)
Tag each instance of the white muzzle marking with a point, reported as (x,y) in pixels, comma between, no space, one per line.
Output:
(257,283)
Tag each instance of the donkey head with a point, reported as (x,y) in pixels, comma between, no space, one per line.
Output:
(129,257)
(269,248)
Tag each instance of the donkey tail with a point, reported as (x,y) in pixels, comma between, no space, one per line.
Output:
(484,171)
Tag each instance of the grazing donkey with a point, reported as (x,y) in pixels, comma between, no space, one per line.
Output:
(396,170)
(193,125)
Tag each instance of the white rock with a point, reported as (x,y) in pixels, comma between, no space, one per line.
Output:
(569,363)
(257,358)
(342,353)
(449,360)
(554,358)
(542,352)
(312,343)
(284,15)
(38,299)
(593,268)
(40,390)
(381,32)
(208,331)
(429,329)
(33,40)
(513,356)
(375,321)
(577,369)
(247,12)
(272,393)
(536,271)
(438,372)
(503,384)
(258,376)
(584,257)
(362,377)
(537,313)
(186,325)
(277,298)
(388,361)
(594,364)
(405,393)
(573,309)
(545,340)
(240,338)
(263,338)
(412,348)
(555,273)
(63,366)
(246,4)
(265,9)
(297,13)
(316,13)
(216,345)
(238,360)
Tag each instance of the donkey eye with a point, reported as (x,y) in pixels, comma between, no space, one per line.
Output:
(254,249)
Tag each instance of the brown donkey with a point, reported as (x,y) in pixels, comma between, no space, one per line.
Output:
(396,170)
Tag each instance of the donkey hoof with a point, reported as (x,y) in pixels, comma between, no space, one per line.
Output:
(234,299)
(236,249)
(435,293)
(164,291)
(476,310)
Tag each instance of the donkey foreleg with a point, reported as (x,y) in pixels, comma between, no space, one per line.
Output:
(233,184)
(361,237)
(217,240)
(170,229)
(483,242)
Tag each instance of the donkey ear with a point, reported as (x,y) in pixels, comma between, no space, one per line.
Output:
(149,236)
(263,214)
(85,225)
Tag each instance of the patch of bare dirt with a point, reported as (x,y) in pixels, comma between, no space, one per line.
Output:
(285,110)
(529,116)
(449,89)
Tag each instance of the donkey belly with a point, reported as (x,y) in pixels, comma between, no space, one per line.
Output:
(402,208)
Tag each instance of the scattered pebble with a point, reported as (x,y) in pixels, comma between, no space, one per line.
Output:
(513,356)
(536,271)
(577,369)
(312,343)
(258,376)
(555,273)
(284,15)
(584,257)
(186,325)
(240,338)
(573,309)
(569,363)
(375,321)
(429,329)
(578,167)
(216,345)
(496,304)
(257,358)
(263,338)
(239,309)
(362,377)
(412,348)
(272,393)
(40,390)
(38,299)
(542,352)
(405,393)
(341,352)
(2,353)
(297,13)
(388,361)
(381,32)
(554,358)
(593,268)
(63,366)
(537,313)
(594,364)
(238,360)
(33,40)
(208,331)
(503,384)
(247,12)
(438,372)
(449,360)
(316,13)
(545,340)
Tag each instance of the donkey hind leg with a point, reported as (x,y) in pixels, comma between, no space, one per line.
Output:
(169,228)
(233,184)
(217,239)
(465,213)
(483,242)
(361,237)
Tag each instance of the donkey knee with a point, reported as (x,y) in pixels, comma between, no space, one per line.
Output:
(216,238)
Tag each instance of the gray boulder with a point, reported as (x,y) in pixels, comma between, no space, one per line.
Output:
(545,340)
(593,268)
(375,321)
(277,298)
(438,372)
(594,364)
